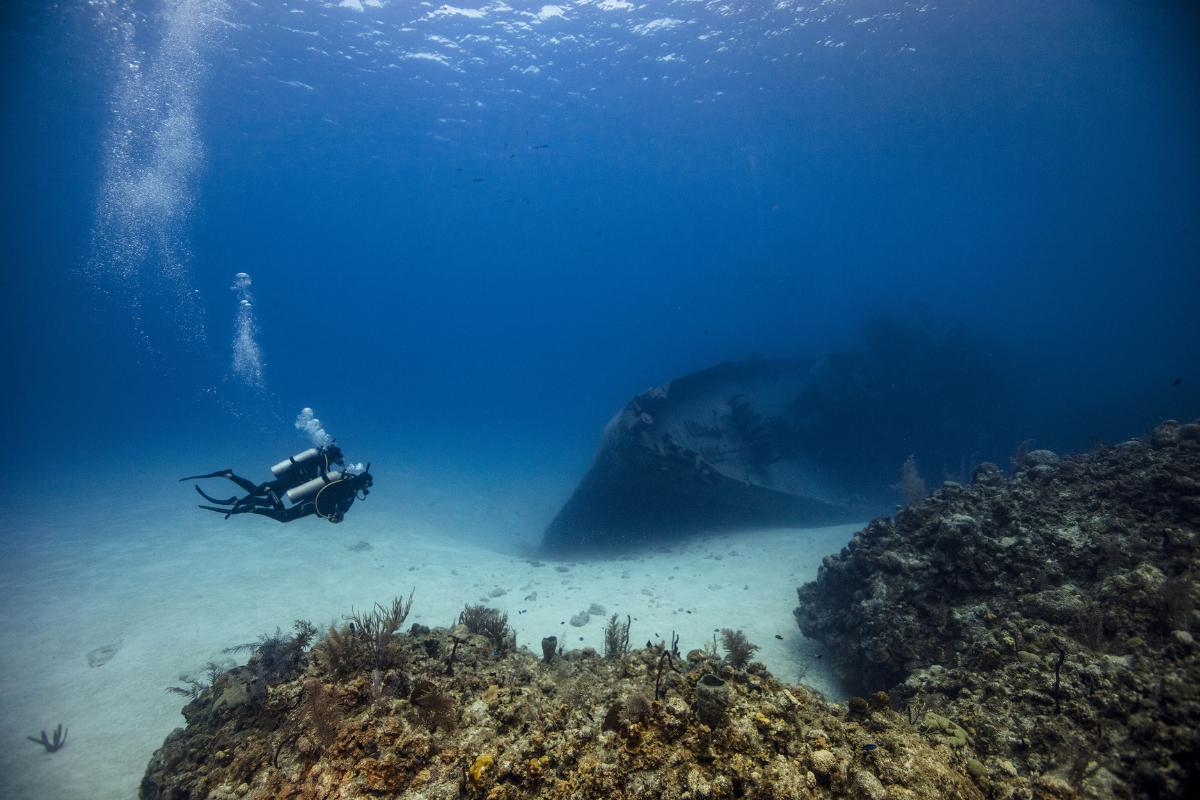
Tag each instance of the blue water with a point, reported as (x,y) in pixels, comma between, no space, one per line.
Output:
(719,180)
(472,234)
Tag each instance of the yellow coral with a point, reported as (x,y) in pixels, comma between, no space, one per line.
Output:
(481,763)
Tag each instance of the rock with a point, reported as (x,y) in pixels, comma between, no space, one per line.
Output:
(1183,637)
(1041,471)
(867,787)
(1026,657)
(1052,786)
(823,762)
(987,474)
(1100,782)
(990,658)
(1055,605)
(953,734)
(1165,435)
(232,697)
(597,610)
(1036,458)
(580,619)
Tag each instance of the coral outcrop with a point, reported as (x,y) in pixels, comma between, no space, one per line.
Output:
(1043,622)
(502,725)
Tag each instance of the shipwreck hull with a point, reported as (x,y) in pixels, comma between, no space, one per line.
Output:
(706,452)
(793,442)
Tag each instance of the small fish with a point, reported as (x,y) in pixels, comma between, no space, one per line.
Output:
(477,180)
(870,746)
(597,233)
(581,638)
(1177,381)
(816,655)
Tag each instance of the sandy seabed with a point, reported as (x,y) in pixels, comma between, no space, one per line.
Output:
(169,587)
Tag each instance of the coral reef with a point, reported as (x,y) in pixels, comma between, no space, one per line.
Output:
(1043,622)
(506,725)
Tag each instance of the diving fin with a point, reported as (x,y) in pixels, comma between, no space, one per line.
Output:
(228,502)
(224,473)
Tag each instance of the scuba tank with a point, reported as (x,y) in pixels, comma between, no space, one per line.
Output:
(283,466)
(307,490)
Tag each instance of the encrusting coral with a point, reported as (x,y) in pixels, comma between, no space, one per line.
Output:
(509,725)
(1044,621)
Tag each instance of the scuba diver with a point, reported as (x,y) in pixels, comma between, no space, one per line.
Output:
(305,480)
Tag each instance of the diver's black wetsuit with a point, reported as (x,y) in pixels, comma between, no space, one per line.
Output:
(331,503)
(265,499)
